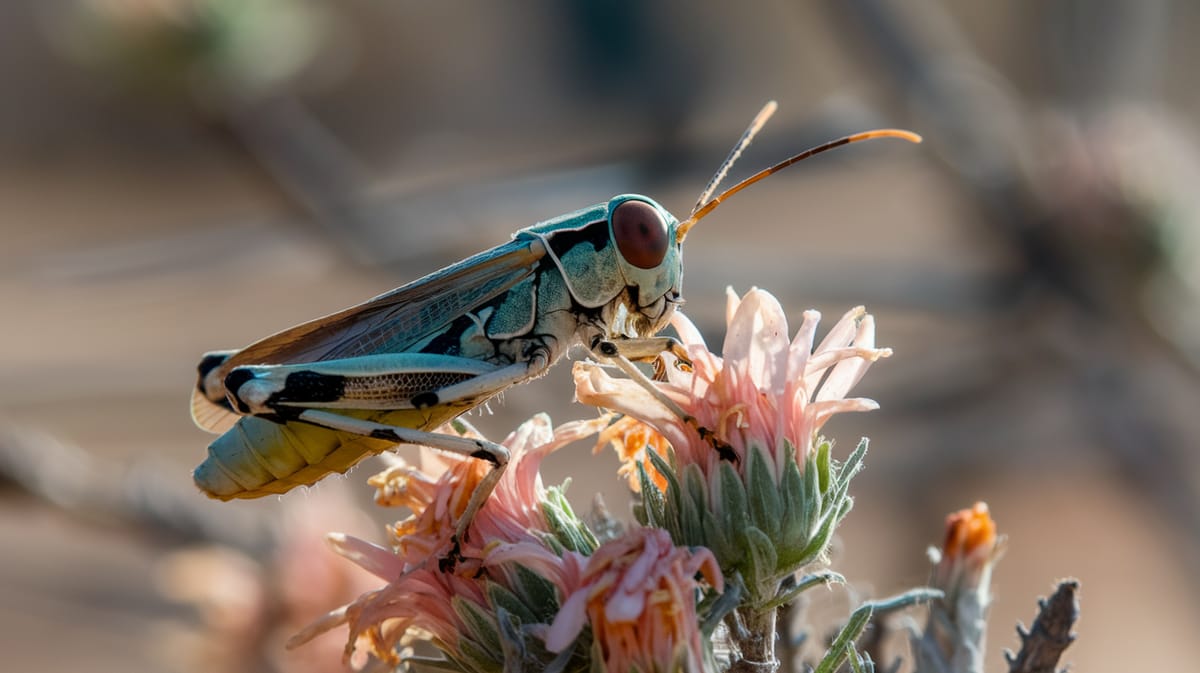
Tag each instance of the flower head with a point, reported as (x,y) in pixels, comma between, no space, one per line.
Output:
(638,595)
(968,551)
(762,392)
(746,474)
(955,636)
(521,529)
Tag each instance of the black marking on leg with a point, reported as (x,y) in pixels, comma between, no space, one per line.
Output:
(309,386)
(482,454)
(447,563)
(233,381)
(385,433)
(425,400)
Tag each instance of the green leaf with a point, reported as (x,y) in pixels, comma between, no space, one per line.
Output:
(515,655)
(861,662)
(763,494)
(761,561)
(823,464)
(792,531)
(805,583)
(695,504)
(733,499)
(671,503)
(816,544)
(567,528)
(839,650)
(559,663)
(500,598)
(480,625)
(813,500)
(859,619)
(853,464)
(537,592)
(479,659)
(719,540)
(653,505)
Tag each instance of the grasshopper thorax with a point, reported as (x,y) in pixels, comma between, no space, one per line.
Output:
(620,263)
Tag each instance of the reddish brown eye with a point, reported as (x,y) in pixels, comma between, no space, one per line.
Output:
(641,233)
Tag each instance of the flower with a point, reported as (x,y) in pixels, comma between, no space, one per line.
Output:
(631,438)
(763,392)
(747,474)
(955,636)
(638,595)
(511,558)
(968,550)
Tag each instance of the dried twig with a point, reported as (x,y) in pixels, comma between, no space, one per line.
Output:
(1043,644)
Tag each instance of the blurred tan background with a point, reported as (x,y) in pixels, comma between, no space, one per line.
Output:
(184,175)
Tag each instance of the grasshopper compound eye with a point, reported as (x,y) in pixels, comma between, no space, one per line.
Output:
(641,233)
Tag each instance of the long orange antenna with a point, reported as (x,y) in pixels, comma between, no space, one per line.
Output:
(700,212)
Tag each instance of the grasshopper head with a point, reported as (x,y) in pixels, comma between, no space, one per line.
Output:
(649,259)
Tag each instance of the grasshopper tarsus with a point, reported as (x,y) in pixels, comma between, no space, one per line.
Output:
(484,454)
(447,563)
(724,450)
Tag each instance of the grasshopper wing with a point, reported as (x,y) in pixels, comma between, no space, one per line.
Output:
(211,416)
(393,322)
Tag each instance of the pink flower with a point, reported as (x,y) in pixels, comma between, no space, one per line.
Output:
(438,493)
(745,474)
(765,391)
(638,595)
(420,597)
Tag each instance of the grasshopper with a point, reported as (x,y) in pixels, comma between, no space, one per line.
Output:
(317,398)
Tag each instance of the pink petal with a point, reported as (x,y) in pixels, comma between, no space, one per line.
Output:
(568,622)
(377,560)
(688,334)
(757,336)
(625,606)
(731,304)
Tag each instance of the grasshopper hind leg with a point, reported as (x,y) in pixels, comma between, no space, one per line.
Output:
(495,454)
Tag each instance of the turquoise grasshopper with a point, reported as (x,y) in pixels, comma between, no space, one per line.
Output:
(319,397)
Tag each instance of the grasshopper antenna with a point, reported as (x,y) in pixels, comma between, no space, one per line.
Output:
(711,204)
(756,125)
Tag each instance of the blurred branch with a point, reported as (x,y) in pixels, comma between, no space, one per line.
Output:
(145,496)
(312,168)
(1043,644)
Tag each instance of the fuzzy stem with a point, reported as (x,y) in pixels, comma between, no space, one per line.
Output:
(755,641)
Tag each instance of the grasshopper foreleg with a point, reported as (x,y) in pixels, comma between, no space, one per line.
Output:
(620,353)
